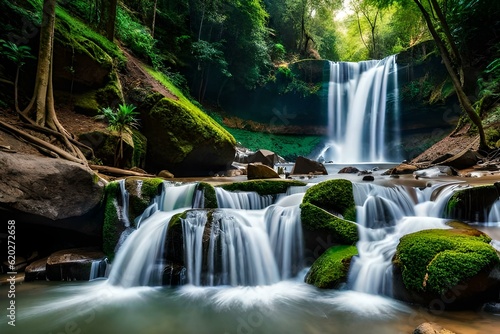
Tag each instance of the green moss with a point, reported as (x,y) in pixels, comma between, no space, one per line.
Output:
(141,197)
(184,120)
(262,187)
(436,260)
(332,267)
(140,147)
(86,103)
(81,37)
(316,219)
(110,235)
(334,196)
(210,198)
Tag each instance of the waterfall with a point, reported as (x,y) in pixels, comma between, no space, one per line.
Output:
(239,247)
(140,259)
(358,94)
(244,200)
(98,269)
(494,214)
(384,215)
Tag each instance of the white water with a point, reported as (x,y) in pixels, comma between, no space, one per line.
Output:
(384,215)
(358,95)
(494,214)
(245,200)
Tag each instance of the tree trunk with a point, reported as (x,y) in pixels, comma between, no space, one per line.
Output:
(154,20)
(42,102)
(110,19)
(462,97)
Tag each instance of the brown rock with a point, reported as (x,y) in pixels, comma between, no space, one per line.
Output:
(166,174)
(260,171)
(401,169)
(51,188)
(431,328)
(72,264)
(308,166)
(36,270)
(349,170)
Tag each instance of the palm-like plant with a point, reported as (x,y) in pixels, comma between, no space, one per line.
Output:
(122,120)
(18,54)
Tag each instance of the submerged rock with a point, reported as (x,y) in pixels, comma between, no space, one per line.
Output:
(349,170)
(331,269)
(403,168)
(449,268)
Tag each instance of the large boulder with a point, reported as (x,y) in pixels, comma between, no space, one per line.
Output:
(265,157)
(472,204)
(51,188)
(263,187)
(72,264)
(328,213)
(448,268)
(308,166)
(184,140)
(105,143)
(261,171)
(431,328)
(331,268)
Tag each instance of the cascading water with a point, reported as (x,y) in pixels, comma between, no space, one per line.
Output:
(358,96)
(494,214)
(384,215)
(140,261)
(242,200)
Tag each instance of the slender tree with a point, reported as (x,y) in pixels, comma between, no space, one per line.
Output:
(40,112)
(452,62)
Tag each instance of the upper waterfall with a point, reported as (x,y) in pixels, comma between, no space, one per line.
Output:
(363,112)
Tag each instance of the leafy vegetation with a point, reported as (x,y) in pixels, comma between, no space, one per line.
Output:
(122,120)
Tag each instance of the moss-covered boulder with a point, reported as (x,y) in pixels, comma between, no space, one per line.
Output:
(331,268)
(334,196)
(328,213)
(263,187)
(209,196)
(472,204)
(447,268)
(140,193)
(184,140)
(105,143)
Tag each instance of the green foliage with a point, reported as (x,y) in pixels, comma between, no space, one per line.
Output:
(210,53)
(315,218)
(287,146)
(18,54)
(334,196)
(437,260)
(79,34)
(136,36)
(278,52)
(262,187)
(120,119)
(332,267)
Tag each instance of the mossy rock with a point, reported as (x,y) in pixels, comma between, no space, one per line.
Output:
(104,145)
(209,196)
(263,187)
(457,262)
(112,226)
(331,269)
(184,140)
(142,191)
(472,204)
(323,230)
(334,196)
